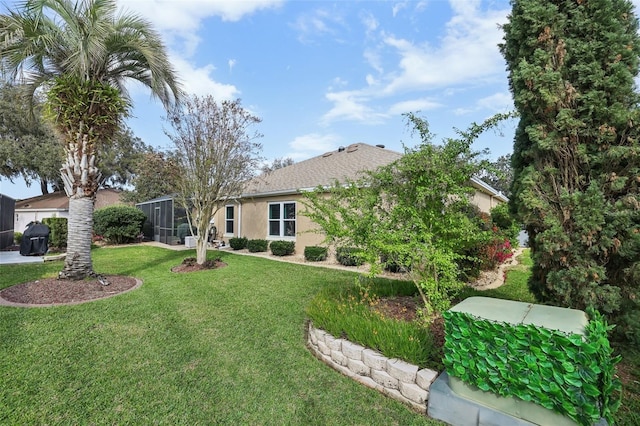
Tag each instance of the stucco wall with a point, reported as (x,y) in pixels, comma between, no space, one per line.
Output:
(251,219)
(23,218)
(484,201)
(254,222)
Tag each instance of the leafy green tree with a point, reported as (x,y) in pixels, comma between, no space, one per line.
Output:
(155,175)
(30,150)
(499,174)
(412,213)
(28,147)
(216,154)
(119,159)
(576,158)
(82,53)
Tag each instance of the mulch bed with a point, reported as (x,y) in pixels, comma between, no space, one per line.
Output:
(190,265)
(52,291)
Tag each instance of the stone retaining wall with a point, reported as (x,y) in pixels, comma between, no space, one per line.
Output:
(394,378)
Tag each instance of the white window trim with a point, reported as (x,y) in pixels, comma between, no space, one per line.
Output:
(226,234)
(282,221)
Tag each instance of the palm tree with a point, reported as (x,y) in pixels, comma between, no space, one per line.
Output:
(81,53)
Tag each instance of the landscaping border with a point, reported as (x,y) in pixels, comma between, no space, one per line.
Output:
(394,378)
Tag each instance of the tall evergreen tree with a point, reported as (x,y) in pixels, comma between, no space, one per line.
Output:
(576,161)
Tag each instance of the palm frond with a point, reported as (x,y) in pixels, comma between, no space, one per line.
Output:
(87,39)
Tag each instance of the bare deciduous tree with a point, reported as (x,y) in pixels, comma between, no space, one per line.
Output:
(217,154)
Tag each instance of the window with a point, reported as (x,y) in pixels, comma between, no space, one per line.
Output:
(282,219)
(228,220)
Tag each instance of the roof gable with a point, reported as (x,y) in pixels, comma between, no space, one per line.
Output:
(323,170)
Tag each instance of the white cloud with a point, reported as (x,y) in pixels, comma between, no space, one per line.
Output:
(337,83)
(468,52)
(413,105)
(316,23)
(179,23)
(187,14)
(198,80)
(312,144)
(232,63)
(369,21)
(351,106)
(398,7)
(373,58)
(498,102)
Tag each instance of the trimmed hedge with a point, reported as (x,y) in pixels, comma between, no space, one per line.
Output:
(255,246)
(238,243)
(17,237)
(118,224)
(349,256)
(282,248)
(315,253)
(57,231)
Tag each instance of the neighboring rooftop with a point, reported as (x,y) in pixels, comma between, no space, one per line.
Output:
(59,201)
(339,165)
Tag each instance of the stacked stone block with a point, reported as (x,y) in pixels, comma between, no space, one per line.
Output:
(395,378)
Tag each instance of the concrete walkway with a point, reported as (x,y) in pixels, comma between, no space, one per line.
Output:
(14,258)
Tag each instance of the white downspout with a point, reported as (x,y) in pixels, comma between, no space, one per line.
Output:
(239,217)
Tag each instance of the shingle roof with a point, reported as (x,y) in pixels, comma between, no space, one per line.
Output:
(342,164)
(54,200)
(59,200)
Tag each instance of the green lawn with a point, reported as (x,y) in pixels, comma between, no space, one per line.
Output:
(224,346)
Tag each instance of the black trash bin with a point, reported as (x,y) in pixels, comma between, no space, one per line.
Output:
(35,240)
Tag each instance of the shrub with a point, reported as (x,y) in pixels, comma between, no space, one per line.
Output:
(17,237)
(58,231)
(395,264)
(494,253)
(118,224)
(238,243)
(504,222)
(349,256)
(255,246)
(183,231)
(315,253)
(282,248)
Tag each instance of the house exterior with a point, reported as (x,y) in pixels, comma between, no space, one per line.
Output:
(270,206)
(56,204)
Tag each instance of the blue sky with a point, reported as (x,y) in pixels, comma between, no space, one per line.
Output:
(324,74)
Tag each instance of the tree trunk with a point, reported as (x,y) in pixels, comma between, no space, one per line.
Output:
(77,265)
(201,249)
(44,186)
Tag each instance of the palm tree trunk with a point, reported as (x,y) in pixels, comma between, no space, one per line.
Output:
(78,264)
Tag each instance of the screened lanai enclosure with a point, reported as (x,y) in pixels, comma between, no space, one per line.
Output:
(7,211)
(164,215)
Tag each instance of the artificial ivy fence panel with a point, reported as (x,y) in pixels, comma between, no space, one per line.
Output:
(544,364)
